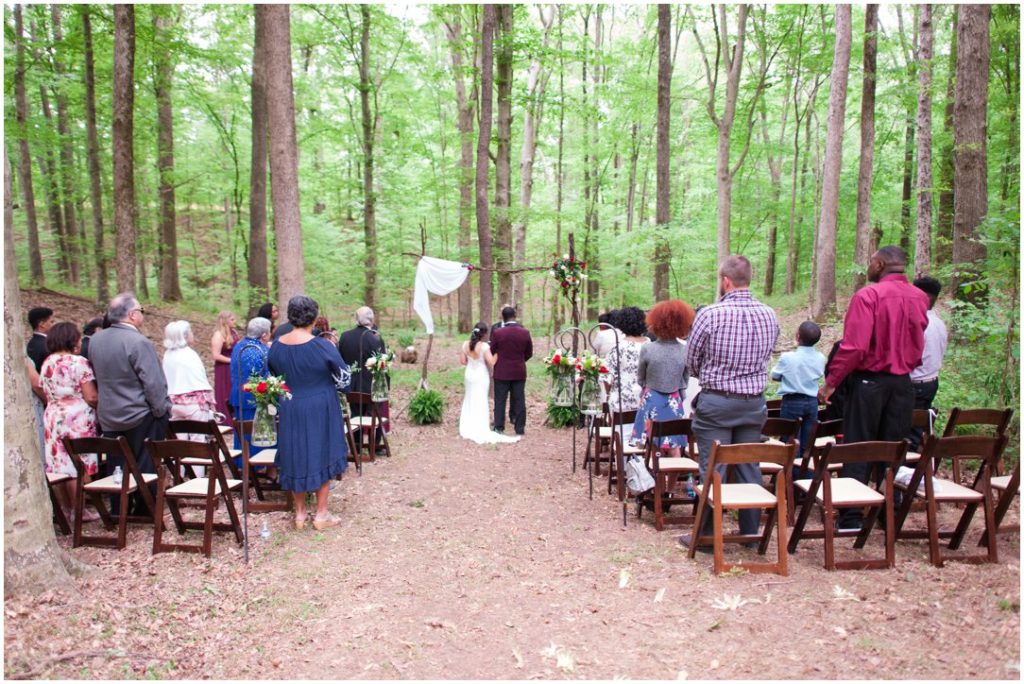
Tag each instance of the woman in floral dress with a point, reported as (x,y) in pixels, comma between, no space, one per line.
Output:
(625,365)
(70,387)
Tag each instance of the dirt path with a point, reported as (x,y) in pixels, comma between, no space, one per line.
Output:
(459,562)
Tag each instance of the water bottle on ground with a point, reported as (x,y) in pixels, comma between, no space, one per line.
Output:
(118,475)
(689,487)
(265,531)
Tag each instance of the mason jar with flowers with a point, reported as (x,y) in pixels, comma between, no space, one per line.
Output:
(560,365)
(266,392)
(590,368)
(379,364)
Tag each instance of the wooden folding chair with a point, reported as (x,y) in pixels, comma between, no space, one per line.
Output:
(620,450)
(998,419)
(213,432)
(823,433)
(780,431)
(368,424)
(215,487)
(354,454)
(53,482)
(846,492)
(1006,487)
(253,474)
(721,496)
(669,472)
(985,450)
(114,452)
(599,438)
(774,407)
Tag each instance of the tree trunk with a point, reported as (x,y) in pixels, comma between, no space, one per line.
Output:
(67,157)
(483,224)
(259,281)
(867,145)
(944,218)
(556,296)
(95,180)
(662,250)
(970,182)
(284,154)
(123,154)
(24,158)
(369,197)
(466,107)
(908,142)
(592,249)
(502,162)
(923,254)
(33,561)
(825,290)
(163,73)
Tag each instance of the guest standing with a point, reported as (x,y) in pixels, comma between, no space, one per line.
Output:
(187,385)
(925,377)
(800,371)
(40,319)
(661,371)
(513,346)
(248,358)
(70,387)
(87,332)
(269,311)
(223,341)
(624,385)
(311,448)
(356,346)
(729,349)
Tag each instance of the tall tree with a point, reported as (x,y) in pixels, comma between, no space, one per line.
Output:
(284,154)
(662,251)
(908,138)
(259,282)
(24,158)
(1006,67)
(67,157)
(123,154)
(503,158)
(93,153)
(867,144)
(825,286)
(944,215)
(163,73)
(923,253)
(592,177)
(556,298)
(466,107)
(970,152)
(483,223)
(369,196)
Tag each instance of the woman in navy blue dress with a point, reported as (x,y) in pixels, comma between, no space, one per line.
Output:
(311,448)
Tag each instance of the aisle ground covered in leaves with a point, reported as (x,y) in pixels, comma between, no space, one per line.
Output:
(457,561)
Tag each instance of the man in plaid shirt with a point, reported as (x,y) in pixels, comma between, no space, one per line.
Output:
(728,350)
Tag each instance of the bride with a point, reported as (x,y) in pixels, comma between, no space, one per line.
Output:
(474,423)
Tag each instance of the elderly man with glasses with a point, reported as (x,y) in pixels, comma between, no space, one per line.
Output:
(133,400)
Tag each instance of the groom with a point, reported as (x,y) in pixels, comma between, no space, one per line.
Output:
(513,346)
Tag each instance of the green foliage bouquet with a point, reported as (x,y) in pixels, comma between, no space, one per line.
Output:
(559,362)
(267,391)
(379,364)
(590,365)
(426,407)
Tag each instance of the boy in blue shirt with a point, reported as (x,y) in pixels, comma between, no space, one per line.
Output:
(800,371)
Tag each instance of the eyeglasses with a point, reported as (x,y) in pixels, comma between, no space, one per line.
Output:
(141,310)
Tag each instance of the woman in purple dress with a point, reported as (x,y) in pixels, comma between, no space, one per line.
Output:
(224,339)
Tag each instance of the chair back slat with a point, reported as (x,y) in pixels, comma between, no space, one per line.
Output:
(890,453)
(923,419)
(783,429)
(172,451)
(667,428)
(737,454)
(623,417)
(105,446)
(976,447)
(997,418)
(826,428)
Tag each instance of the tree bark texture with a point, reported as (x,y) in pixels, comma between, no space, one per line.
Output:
(503,159)
(284,154)
(35,258)
(369,197)
(123,154)
(662,250)
(33,561)
(867,145)
(906,219)
(483,223)
(67,156)
(556,296)
(93,153)
(592,248)
(923,251)
(825,284)
(970,108)
(163,74)
(259,281)
(943,251)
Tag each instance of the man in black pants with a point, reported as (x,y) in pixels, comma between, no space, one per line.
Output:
(513,346)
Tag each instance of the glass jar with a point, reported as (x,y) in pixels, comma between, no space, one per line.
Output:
(590,397)
(562,390)
(379,387)
(264,428)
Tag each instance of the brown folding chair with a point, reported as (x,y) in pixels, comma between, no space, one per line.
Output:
(669,472)
(846,492)
(721,495)
(212,432)
(599,438)
(368,424)
(620,450)
(1006,487)
(169,455)
(53,482)
(923,420)
(986,451)
(999,419)
(823,433)
(115,451)
(253,474)
(774,407)
(354,455)
(780,431)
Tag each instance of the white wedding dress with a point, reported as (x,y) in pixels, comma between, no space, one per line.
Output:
(475,420)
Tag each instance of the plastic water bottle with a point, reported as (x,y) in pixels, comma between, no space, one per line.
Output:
(118,475)
(689,486)
(265,531)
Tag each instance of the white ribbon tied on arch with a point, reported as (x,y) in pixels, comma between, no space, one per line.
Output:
(439,277)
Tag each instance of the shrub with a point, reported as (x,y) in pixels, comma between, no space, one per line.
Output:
(562,416)
(426,407)
(405,339)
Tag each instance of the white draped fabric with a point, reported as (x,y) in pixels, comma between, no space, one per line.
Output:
(435,276)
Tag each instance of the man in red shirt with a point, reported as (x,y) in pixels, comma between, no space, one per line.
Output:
(883,340)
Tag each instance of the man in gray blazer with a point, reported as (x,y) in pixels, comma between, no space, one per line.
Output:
(133,400)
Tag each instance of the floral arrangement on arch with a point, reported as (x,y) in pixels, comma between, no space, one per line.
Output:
(267,391)
(590,365)
(379,363)
(569,273)
(559,362)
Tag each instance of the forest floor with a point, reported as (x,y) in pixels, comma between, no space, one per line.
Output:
(458,561)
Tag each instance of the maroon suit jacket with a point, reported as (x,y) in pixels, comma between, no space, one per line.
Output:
(514,347)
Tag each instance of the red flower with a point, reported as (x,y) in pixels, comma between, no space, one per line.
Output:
(564,284)
(583,264)
(285,387)
(262,387)
(603,369)
(556,359)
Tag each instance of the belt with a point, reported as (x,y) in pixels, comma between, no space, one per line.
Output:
(923,382)
(732,395)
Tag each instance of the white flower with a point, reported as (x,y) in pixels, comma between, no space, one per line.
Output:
(272,410)
(371,362)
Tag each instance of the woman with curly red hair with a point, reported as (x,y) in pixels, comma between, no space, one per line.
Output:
(662,370)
